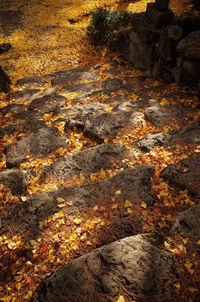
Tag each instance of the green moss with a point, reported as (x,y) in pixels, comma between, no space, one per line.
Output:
(104,26)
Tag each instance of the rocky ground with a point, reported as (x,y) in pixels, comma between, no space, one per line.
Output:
(89,156)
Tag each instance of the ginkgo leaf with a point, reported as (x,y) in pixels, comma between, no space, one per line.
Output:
(143,205)
(121,299)
(127,204)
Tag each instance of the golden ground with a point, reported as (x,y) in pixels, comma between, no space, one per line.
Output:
(47,41)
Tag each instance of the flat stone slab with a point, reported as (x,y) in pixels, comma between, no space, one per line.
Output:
(168,114)
(15,179)
(184,174)
(134,263)
(187,223)
(189,135)
(47,103)
(29,126)
(133,184)
(88,161)
(25,94)
(40,143)
(32,81)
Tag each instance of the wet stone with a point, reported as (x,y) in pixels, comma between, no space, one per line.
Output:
(40,143)
(166,115)
(184,174)
(187,223)
(65,78)
(27,115)
(32,81)
(87,161)
(134,185)
(135,263)
(47,103)
(16,180)
(68,71)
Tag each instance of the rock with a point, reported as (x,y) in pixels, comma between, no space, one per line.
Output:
(153,140)
(184,174)
(27,115)
(4,47)
(105,125)
(168,41)
(10,20)
(140,53)
(112,85)
(134,263)
(5,81)
(24,95)
(188,73)
(133,184)
(188,22)
(68,71)
(65,78)
(158,18)
(78,115)
(29,126)
(187,135)
(187,223)
(165,115)
(31,81)
(12,108)
(162,5)
(144,28)
(121,44)
(87,161)
(189,47)
(16,180)
(82,87)
(196,4)
(40,143)
(47,103)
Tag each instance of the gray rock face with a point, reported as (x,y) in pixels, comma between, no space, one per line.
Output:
(87,161)
(40,143)
(140,53)
(187,223)
(134,185)
(189,47)
(165,115)
(152,140)
(187,135)
(25,94)
(135,263)
(157,17)
(47,103)
(31,126)
(16,180)
(31,81)
(185,174)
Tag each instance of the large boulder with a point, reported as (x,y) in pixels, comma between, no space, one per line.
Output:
(189,47)
(134,263)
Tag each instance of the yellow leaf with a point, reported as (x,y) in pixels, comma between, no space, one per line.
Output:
(118,192)
(127,204)
(188,265)
(177,285)
(121,299)
(192,289)
(185,240)
(18,286)
(61,205)
(77,221)
(114,206)
(198,242)
(60,214)
(60,199)
(143,205)
(129,211)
